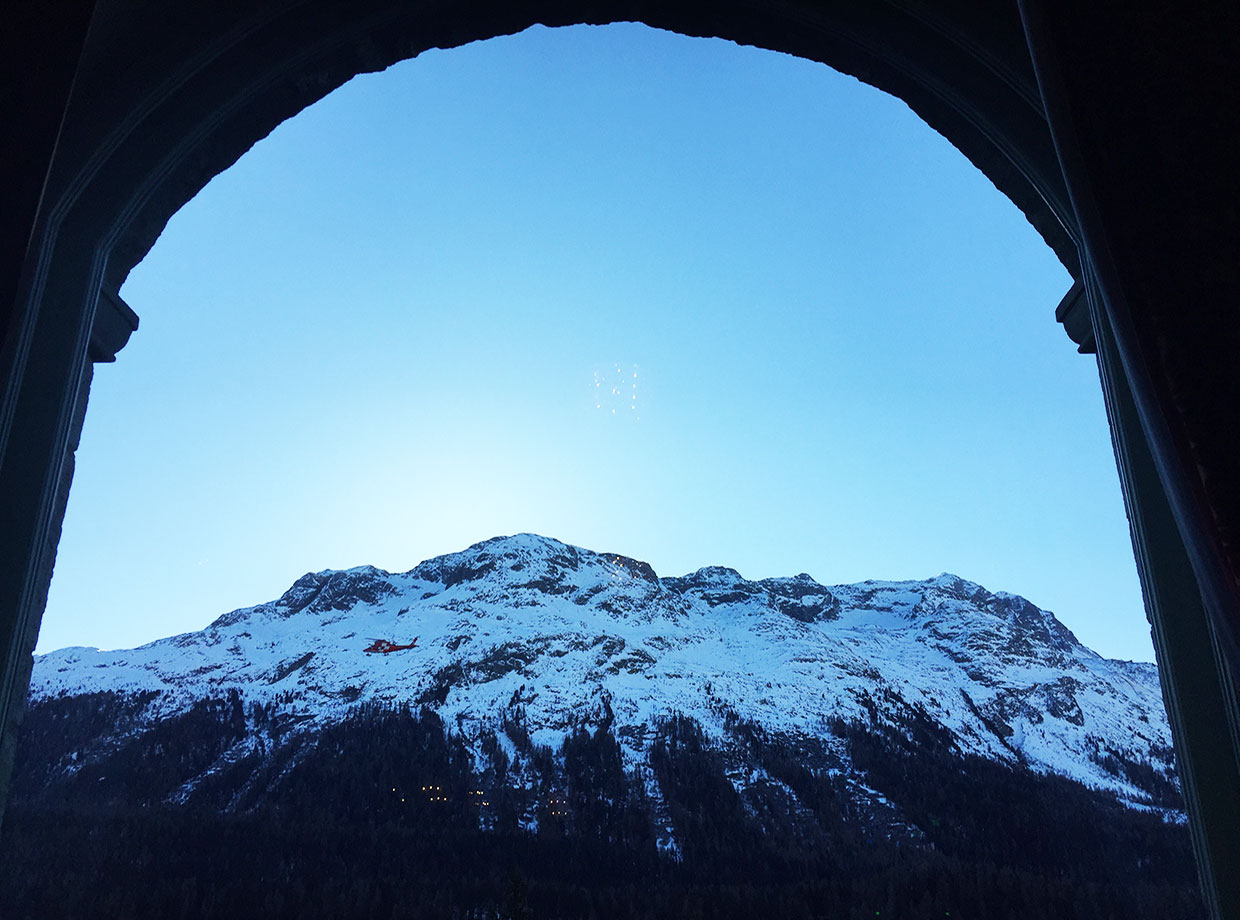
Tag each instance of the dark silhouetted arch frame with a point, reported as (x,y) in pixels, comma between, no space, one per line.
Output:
(124,109)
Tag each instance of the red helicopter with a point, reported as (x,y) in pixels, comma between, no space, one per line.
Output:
(385,647)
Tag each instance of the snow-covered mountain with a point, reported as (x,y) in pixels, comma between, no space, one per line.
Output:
(531,625)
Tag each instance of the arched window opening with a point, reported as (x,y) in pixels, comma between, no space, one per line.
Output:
(647,345)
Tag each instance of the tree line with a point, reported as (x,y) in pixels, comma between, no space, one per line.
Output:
(388,814)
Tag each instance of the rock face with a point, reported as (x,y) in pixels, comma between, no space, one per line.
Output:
(529,630)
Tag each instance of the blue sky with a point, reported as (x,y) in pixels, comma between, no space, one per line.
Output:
(394,327)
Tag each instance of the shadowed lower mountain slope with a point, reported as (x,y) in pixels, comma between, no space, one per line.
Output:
(570,722)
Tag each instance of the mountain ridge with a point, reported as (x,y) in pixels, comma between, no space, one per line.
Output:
(533,622)
(613,743)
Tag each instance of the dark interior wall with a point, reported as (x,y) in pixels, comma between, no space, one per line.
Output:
(1135,108)
(31,107)
(1144,110)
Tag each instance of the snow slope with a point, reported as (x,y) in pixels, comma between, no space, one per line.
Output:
(529,621)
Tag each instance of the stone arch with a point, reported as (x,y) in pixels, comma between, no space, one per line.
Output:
(137,105)
(157,135)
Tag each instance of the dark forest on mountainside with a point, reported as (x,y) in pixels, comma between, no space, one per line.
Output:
(385,815)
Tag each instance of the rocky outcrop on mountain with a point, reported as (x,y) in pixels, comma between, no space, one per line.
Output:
(529,631)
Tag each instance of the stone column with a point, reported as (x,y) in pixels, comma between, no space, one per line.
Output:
(1196,682)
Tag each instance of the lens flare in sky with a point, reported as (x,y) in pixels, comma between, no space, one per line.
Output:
(615,390)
